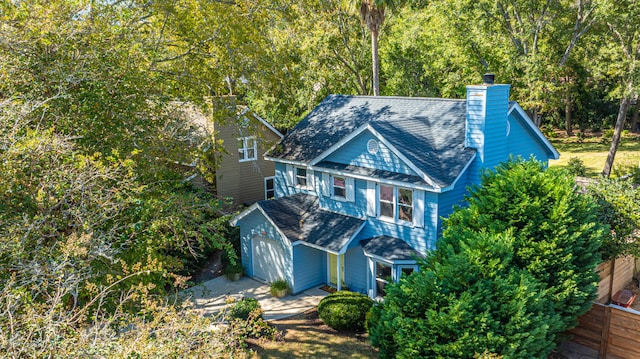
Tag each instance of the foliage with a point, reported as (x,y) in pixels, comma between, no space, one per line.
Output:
(245,306)
(277,286)
(576,167)
(513,269)
(345,310)
(619,207)
(466,299)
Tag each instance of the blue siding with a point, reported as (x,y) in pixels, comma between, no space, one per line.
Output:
(310,268)
(358,208)
(521,141)
(420,239)
(255,224)
(447,200)
(355,270)
(355,153)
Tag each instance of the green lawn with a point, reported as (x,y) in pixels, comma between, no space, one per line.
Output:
(593,152)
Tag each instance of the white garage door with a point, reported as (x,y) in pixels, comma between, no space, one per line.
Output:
(268,259)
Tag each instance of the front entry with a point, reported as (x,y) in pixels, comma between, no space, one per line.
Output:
(333,269)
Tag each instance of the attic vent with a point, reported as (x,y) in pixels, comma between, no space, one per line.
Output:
(372,146)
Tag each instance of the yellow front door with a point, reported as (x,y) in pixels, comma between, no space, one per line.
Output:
(333,269)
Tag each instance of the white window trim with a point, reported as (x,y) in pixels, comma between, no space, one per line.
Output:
(246,147)
(416,211)
(265,186)
(308,176)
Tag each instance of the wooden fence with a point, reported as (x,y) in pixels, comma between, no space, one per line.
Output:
(612,331)
(623,270)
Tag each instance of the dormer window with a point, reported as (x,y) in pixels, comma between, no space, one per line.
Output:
(247,149)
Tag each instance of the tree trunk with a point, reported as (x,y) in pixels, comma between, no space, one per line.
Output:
(617,131)
(374,61)
(567,117)
(634,117)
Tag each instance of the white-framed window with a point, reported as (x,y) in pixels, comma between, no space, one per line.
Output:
(397,204)
(383,277)
(269,187)
(300,179)
(339,187)
(247,149)
(406,270)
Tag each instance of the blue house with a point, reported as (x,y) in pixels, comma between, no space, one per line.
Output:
(363,182)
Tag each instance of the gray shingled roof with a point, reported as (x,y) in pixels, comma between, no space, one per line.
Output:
(390,248)
(429,132)
(300,218)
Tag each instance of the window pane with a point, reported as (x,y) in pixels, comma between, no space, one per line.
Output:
(386,209)
(386,193)
(339,192)
(383,271)
(301,176)
(271,193)
(339,182)
(241,152)
(405,213)
(269,184)
(406,196)
(251,153)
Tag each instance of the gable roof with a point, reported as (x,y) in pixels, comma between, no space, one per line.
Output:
(428,132)
(533,129)
(300,219)
(244,110)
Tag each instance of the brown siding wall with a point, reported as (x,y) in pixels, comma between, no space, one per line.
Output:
(244,181)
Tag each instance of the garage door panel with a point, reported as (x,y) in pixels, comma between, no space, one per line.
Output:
(268,259)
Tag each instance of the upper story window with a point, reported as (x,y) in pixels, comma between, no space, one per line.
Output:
(269,187)
(395,203)
(301,177)
(340,187)
(247,149)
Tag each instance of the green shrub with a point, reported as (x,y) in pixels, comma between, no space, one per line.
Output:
(345,310)
(243,308)
(277,286)
(576,167)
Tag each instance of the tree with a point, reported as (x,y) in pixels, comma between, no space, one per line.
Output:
(465,300)
(523,251)
(618,205)
(372,13)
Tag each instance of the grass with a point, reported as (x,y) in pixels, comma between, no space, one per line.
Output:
(305,336)
(593,152)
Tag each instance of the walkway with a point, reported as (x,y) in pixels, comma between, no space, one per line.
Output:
(211,296)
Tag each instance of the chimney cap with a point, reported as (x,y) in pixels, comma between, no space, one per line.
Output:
(488,79)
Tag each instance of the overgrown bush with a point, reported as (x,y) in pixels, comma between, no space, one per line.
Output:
(576,167)
(512,271)
(244,307)
(345,310)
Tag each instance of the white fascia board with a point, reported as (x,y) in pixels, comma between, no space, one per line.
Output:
(303,243)
(375,179)
(288,162)
(392,262)
(339,144)
(402,157)
(242,214)
(252,208)
(346,245)
(464,170)
(516,107)
(267,125)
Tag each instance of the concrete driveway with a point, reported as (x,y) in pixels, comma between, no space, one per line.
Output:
(211,296)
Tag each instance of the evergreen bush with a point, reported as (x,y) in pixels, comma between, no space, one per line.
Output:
(244,307)
(345,310)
